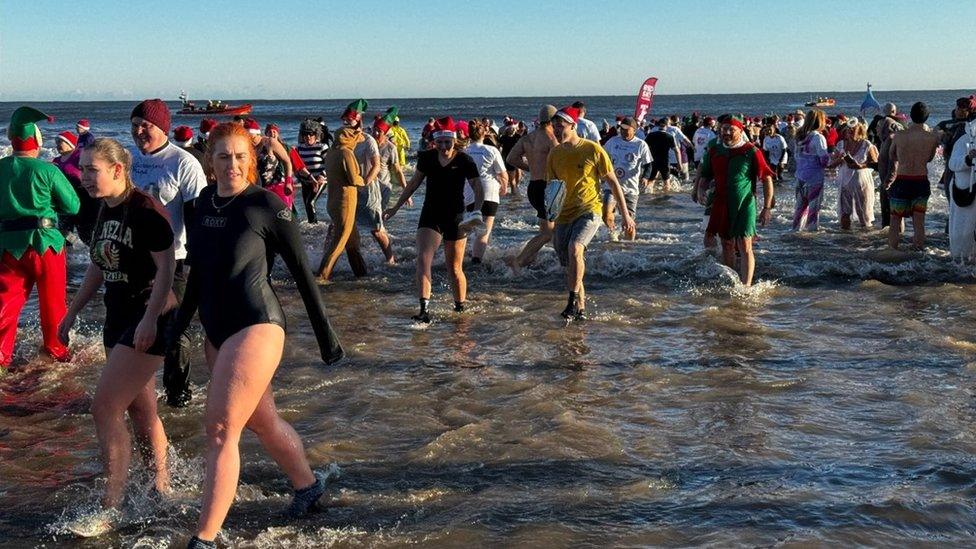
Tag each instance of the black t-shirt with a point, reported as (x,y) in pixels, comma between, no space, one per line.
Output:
(122,243)
(508,142)
(445,184)
(660,142)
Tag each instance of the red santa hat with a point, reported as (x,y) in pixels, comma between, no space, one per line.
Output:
(182,135)
(736,122)
(83,124)
(569,114)
(445,127)
(463,130)
(68,138)
(206,125)
(380,125)
(252,126)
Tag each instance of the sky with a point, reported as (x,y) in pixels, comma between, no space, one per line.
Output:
(288,49)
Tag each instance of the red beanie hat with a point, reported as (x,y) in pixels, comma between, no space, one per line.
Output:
(207,124)
(444,127)
(569,114)
(153,111)
(462,129)
(252,126)
(183,134)
(83,124)
(68,138)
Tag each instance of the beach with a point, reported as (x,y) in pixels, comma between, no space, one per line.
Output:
(829,404)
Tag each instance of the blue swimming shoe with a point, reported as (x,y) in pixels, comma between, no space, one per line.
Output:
(306,499)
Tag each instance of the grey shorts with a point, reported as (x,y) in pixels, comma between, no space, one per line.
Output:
(386,192)
(630,199)
(579,231)
(369,208)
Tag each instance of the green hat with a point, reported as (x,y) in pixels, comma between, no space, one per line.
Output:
(354,112)
(23,132)
(391,115)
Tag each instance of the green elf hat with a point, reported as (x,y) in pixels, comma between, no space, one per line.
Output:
(23,132)
(353,114)
(383,122)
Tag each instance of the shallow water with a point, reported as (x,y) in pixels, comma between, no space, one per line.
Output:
(831,404)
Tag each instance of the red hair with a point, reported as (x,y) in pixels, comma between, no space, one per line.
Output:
(229,130)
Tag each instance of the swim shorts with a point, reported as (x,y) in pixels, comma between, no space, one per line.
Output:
(631,200)
(537,197)
(488,208)
(909,195)
(121,320)
(578,231)
(445,225)
(369,207)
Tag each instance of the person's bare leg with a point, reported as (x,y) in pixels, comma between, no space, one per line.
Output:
(894,231)
(480,245)
(383,239)
(527,255)
(124,377)
(453,261)
(242,372)
(149,433)
(918,230)
(747,263)
(728,253)
(575,269)
(427,242)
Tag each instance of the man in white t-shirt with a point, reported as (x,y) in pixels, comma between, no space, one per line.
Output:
(586,128)
(494,183)
(774,147)
(631,159)
(702,137)
(175,178)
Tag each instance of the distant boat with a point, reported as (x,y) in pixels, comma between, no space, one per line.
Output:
(213,108)
(821,102)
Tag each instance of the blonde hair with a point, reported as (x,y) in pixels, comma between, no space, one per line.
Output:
(113,152)
(859,132)
(815,121)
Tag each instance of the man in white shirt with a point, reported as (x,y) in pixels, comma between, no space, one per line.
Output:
(631,159)
(702,137)
(586,128)
(175,178)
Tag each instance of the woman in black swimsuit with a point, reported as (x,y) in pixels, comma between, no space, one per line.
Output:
(446,170)
(237,231)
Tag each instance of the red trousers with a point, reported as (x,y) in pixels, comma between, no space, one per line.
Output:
(17,277)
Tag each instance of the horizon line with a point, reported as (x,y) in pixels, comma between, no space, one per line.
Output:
(74,100)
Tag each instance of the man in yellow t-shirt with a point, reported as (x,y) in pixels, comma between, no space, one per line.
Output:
(581,164)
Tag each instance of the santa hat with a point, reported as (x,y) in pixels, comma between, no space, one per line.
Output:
(463,130)
(153,111)
(183,135)
(708,120)
(23,132)
(569,114)
(733,121)
(383,122)
(69,138)
(444,127)
(272,126)
(252,126)
(353,114)
(206,125)
(83,124)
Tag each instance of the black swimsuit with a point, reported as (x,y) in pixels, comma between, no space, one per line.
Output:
(231,248)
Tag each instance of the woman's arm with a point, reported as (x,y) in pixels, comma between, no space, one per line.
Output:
(159,298)
(90,285)
(418,177)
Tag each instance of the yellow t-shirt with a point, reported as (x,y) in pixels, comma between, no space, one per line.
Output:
(581,166)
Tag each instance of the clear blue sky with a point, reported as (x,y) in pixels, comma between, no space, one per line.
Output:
(92,50)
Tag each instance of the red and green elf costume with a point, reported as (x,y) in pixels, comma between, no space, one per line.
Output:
(32,195)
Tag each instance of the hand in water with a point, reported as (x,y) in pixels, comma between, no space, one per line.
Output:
(65,328)
(765,216)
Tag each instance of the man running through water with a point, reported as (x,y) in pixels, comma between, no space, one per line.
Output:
(631,158)
(736,165)
(530,154)
(580,164)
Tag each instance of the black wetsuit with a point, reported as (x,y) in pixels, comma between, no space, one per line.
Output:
(660,142)
(231,248)
(444,200)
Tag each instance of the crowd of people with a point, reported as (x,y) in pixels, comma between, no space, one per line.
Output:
(177,226)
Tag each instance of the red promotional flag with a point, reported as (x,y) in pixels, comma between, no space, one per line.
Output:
(645,99)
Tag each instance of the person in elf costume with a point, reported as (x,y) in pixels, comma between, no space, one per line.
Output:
(32,195)
(736,164)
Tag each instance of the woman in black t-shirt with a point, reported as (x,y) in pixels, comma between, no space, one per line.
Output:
(446,170)
(132,253)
